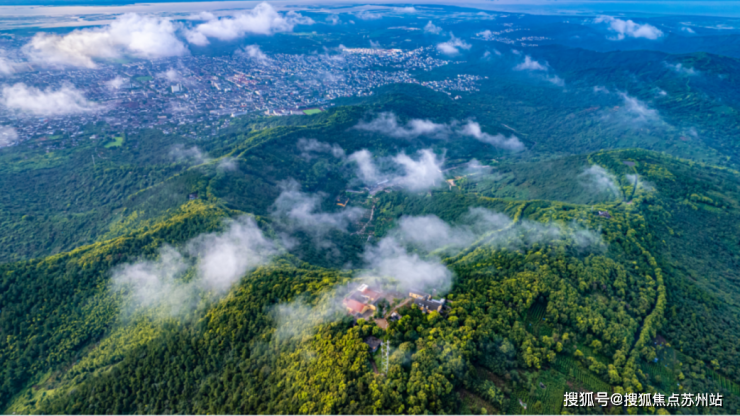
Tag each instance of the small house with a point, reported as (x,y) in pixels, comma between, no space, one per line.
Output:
(355,307)
(417,294)
(359,297)
(368,293)
(428,305)
(605,214)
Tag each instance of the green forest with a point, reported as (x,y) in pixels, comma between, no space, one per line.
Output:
(602,258)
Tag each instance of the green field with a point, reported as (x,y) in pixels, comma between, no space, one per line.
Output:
(117,142)
(146,78)
(312,111)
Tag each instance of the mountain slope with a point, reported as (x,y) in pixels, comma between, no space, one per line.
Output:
(541,300)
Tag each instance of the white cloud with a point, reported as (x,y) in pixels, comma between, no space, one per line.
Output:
(516,52)
(687,29)
(400,171)
(628,28)
(638,110)
(296,210)
(63,101)
(254,53)
(190,155)
(8,135)
(389,259)
(600,180)
(263,20)
(228,164)
(367,15)
(387,123)
(130,34)
(366,169)
(224,257)
(474,167)
(204,16)
(641,185)
(530,65)
(599,88)
(431,28)
(420,174)
(115,83)
(374,44)
(310,146)
(333,19)
(409,9)
(392,262)
(7,66)
(170,75)
(473,129)
(218,259)
(555,80)
(681,70)
(452,46)
(430,233)
(486,34)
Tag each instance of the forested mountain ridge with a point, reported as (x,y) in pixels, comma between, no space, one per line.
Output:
(479,213)
(540,300)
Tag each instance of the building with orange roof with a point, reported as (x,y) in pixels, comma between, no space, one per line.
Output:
(355,307)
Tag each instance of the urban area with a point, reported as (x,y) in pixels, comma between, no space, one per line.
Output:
(168,93)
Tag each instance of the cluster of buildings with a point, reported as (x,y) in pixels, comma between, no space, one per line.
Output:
(175,92)
(364,301)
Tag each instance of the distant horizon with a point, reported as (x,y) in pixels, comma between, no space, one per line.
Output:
(717,8)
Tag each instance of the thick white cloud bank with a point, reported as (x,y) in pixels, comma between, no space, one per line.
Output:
(151,37)
(628,28)
(30,100)
(130,34)
(262,20)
